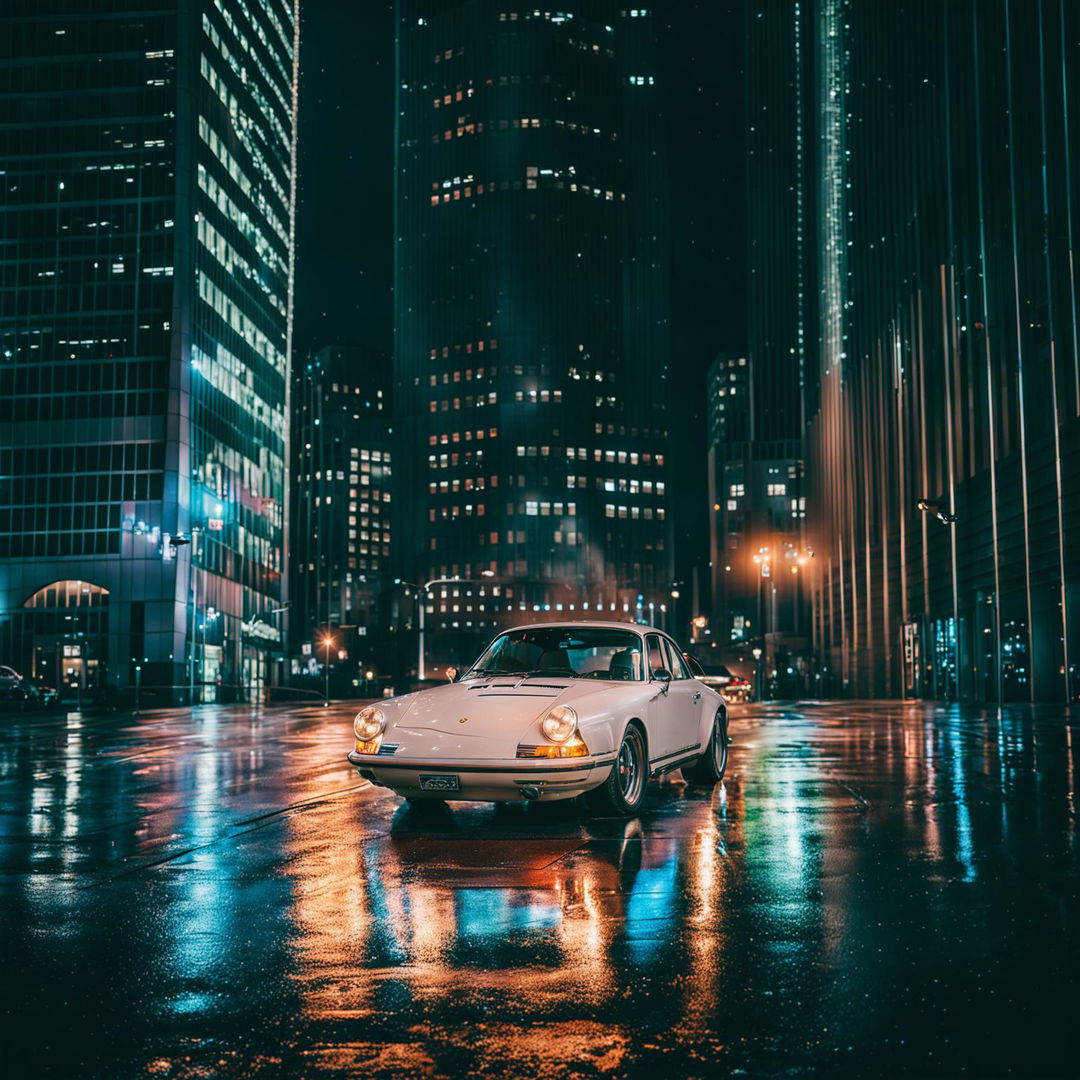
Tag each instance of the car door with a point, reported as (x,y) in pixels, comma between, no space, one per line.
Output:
(684,700)
(663,732)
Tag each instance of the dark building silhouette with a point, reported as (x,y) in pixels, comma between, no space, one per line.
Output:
(148,159)
(342,503)
(758,513)
(757,399)
(531,292)
(942,436)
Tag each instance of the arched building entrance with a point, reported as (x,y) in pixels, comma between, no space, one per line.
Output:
(67,625)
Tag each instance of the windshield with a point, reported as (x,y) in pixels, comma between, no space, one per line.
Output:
(583,653)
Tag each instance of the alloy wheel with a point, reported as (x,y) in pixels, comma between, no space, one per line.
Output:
(630,766)
(719,746)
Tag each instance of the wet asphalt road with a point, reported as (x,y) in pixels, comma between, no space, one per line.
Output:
(876,890)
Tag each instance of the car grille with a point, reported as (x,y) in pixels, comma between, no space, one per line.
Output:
(388,748)
(524,750)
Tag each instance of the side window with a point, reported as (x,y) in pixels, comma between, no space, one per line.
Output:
(676,664)
(656,655)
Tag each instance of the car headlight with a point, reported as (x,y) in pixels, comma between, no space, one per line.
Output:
(369,722)
(560,723)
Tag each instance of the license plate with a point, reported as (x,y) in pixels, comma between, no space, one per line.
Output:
(444,782)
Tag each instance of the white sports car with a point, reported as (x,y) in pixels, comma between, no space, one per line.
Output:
(548,712)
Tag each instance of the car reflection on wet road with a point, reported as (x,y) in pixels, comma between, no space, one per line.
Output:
(874,890)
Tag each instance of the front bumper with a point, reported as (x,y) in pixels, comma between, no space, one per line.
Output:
(488,781)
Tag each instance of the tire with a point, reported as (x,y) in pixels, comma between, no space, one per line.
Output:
(711,766)
(623,792)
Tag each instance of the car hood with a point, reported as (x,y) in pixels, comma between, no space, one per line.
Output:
(489,716)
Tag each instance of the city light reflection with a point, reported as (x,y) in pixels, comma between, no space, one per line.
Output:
(261,875)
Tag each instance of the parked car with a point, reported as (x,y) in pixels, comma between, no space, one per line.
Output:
(17,692)
(551,711)
(733,687)
(49,695)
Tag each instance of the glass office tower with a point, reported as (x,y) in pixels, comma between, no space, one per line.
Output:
(148,159)
(943,425)
(531,354)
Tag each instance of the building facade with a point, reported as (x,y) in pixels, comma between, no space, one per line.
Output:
(145,322)
(757,400)
(341,517)
(531,349)
(943,407)
(757,552)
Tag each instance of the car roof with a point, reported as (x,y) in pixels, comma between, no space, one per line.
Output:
(577,624)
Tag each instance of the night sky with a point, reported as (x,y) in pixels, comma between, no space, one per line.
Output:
(344,249)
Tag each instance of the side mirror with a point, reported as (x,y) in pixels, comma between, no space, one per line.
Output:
(662,675)
(452,673)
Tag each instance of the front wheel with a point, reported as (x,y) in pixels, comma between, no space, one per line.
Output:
(711,766)
(622,793)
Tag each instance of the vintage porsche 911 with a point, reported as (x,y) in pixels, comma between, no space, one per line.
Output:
(551,711)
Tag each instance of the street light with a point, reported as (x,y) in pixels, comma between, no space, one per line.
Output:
(763,557)
(328,644)
(420,590)
(175,541)
(928,506)
(758,668)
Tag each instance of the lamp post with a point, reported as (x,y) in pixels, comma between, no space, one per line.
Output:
(939,510)
(763,559)
(177,541)
(756,651)
(420,590)
(328,644)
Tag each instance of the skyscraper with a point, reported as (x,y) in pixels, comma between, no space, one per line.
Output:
(757,400)
(531,354)
(341,517)
(758,512)
(149,162)
(944,396)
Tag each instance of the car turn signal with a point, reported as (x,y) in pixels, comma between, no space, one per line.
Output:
(573,748)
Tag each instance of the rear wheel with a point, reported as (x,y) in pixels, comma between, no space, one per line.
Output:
(711,766)
(622,793)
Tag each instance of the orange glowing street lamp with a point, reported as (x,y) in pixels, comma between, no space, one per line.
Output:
(328,644)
